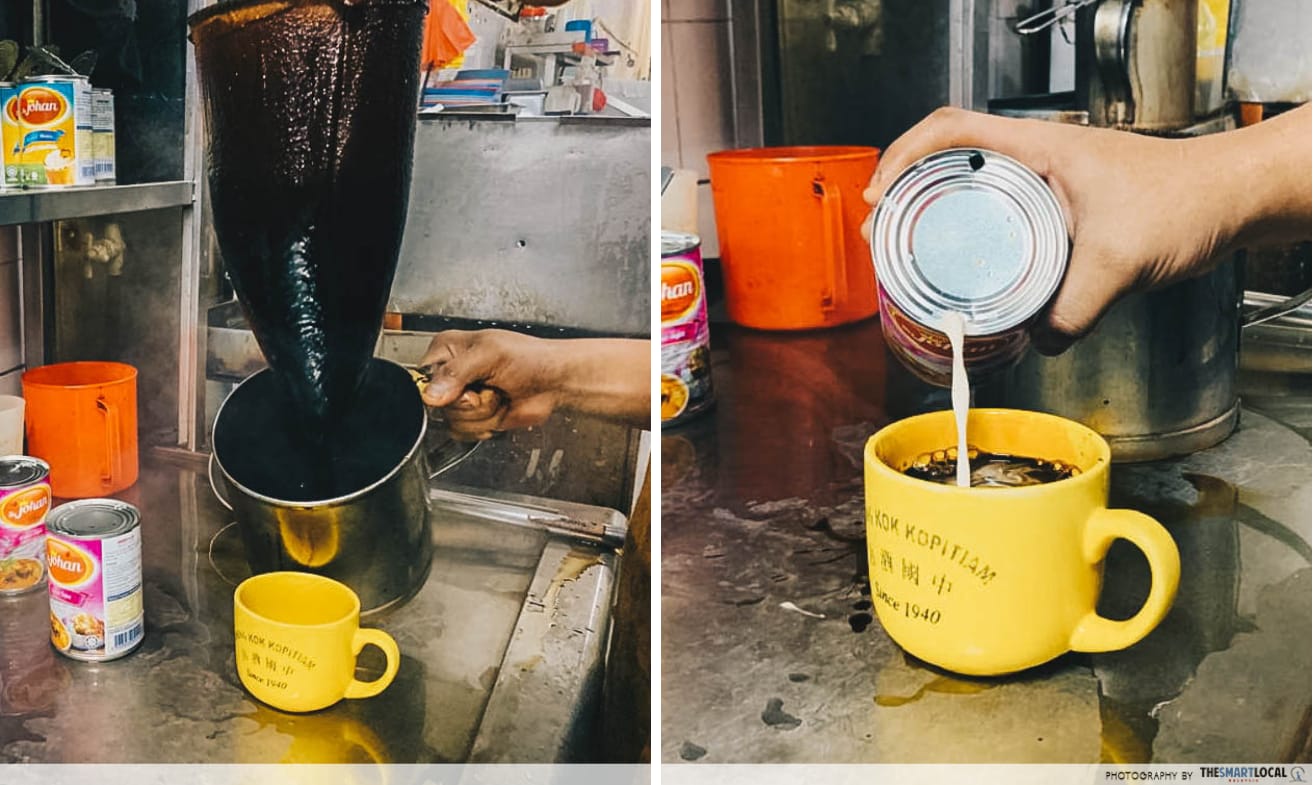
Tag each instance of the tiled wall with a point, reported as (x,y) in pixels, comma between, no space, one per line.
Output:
(697,113)
(11,344)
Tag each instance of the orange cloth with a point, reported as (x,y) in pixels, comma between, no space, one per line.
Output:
(446,36)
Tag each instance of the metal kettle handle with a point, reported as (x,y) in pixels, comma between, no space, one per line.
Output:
(452,452)
(449,455)
(1267,313)
(214,486)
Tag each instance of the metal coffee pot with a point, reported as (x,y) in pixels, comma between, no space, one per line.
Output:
(368,525)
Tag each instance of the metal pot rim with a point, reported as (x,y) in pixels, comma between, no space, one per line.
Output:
(330,502)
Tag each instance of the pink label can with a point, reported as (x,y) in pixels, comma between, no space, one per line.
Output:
(685,337)
(93,551)
(24,502)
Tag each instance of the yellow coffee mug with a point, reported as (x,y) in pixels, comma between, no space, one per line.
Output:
(987,581)
(297,638)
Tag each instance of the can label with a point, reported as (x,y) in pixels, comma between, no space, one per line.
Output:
(23,536)
(928,354)
(10,136)
(102,138)
(96,610)
(56,137)
(685,337)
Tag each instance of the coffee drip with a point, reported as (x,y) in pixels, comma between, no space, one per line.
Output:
(310,123)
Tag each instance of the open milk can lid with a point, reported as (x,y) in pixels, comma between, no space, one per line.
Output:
(972,231)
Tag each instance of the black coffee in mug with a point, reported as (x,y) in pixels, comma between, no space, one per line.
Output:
(989,469)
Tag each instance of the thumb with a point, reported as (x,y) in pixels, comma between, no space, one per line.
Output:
(453,369)
(442,391)
(1090,287)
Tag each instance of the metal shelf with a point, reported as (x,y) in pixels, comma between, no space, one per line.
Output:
(21,207)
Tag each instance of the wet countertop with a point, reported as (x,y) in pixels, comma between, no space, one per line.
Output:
(770,652)
(501,648)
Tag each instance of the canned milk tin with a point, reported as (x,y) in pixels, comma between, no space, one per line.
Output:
(54,114)
(10,137)
(102,134)
(685,338)
(93,552)
(24,502)
(971,231)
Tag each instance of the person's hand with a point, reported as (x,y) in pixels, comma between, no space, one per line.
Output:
(1142,211)
(487,381)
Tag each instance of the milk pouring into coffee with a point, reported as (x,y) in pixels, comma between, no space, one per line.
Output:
(955,325)
(970,468)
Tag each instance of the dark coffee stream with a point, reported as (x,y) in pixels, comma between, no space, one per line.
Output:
(310,121)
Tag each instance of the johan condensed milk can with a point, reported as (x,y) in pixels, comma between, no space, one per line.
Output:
(10,137)
(24,502)
(93,553)
(971,231)
(54,114)
(685,338)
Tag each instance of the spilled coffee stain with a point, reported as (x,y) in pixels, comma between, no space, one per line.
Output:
(1127,736)
(1248,516)
(573,565)
(823,525)
(744,602)
(944,685)
(820,524)
(776,717)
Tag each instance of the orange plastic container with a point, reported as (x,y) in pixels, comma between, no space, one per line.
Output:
(82,420)
(789,224)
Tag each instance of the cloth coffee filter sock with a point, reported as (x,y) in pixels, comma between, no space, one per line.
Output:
(310,118)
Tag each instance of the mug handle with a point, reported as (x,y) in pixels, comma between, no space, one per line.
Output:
(836,261)
(363,637)
(113,442)
(1096,633)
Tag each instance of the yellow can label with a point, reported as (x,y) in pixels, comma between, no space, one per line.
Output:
(55,126)
(10,135)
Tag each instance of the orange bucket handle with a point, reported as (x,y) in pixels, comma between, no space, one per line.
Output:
(836,261)
(113,442)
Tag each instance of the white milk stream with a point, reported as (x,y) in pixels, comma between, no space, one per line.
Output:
(954,325)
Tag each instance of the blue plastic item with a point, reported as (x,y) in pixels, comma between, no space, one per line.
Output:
(581,24)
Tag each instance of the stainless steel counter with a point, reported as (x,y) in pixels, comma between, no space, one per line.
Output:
(762,505)
(502,648)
